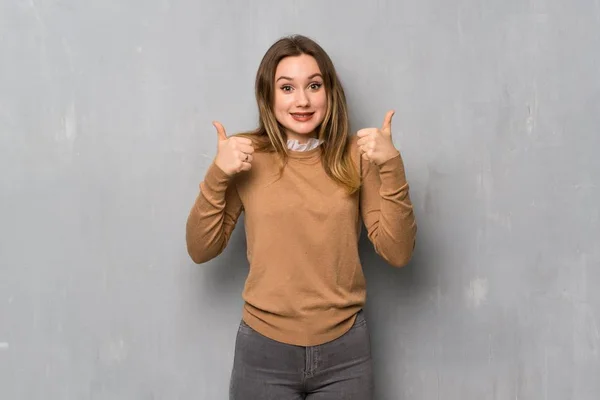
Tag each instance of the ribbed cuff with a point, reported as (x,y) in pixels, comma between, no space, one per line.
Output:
(215,180)
(392,171)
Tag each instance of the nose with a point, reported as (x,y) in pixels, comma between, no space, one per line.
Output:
(302,99)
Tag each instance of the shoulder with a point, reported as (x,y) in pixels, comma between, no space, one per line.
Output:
(364,167)
(352,146)
(353,139)
(263,167)
(354,152)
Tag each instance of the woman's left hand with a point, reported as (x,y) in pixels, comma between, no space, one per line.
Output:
(376,144)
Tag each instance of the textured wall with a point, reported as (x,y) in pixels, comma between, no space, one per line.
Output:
(105,134)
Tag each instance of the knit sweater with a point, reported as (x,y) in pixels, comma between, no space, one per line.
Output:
(305,282)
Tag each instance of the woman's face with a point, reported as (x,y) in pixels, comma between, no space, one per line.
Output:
(300,99)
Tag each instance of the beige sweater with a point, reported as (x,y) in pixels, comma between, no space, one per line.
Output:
(305,282)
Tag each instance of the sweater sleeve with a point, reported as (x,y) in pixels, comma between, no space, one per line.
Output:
(387,210)
(213,216)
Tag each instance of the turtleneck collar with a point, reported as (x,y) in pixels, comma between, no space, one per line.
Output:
(311,144)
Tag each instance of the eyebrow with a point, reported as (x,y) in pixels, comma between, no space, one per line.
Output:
(290,79)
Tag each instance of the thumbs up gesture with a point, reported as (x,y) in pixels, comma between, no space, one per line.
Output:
(376,144)
(234,154)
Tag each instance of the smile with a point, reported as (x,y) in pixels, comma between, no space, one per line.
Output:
(302,117)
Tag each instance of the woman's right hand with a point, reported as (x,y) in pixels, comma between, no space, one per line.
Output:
(233,154)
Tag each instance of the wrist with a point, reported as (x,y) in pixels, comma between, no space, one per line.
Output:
(222,168)
(388,156)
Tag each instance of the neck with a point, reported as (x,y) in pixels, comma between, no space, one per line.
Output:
(302,139)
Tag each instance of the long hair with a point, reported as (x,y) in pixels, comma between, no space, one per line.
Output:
(333,131)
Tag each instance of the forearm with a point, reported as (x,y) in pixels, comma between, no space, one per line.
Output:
(392,225)
(212,217)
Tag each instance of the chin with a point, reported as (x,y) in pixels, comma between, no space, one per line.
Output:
(303,128)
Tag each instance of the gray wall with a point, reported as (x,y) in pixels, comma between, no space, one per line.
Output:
(105,133)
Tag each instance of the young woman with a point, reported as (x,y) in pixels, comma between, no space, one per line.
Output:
(305,186)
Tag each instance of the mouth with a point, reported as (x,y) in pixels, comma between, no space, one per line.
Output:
(302,116)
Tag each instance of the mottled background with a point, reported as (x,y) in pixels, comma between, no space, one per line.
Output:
(105,133)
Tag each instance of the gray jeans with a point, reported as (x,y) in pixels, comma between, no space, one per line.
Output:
(264,369)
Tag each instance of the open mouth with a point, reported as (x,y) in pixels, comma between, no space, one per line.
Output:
(302,117)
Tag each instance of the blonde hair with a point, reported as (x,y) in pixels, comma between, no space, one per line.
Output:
(334,130)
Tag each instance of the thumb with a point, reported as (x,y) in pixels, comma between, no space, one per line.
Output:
(220,130)
(387,121)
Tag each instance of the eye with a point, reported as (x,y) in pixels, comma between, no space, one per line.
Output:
(286,88)
(316,85)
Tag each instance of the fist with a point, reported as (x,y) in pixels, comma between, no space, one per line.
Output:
(234,154)
(376,144)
